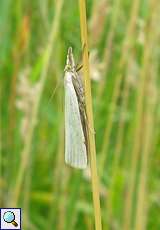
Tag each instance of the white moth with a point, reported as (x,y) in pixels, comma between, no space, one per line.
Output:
(75,116)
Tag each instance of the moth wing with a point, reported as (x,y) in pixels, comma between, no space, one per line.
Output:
(75,148)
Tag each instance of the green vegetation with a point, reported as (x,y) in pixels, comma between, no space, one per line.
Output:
(124,56)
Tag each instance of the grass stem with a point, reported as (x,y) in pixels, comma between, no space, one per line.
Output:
(28,143)
(138,129)
(88,98)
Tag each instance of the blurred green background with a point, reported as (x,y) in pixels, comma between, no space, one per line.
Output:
(124,67)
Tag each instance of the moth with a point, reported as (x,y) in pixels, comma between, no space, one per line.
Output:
(75,116)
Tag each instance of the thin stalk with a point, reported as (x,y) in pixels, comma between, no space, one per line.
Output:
(26,201)
(152,103)
(148,139)
(108,48)
(28,143)
(138,129)
(25,31)
(17,55)
(88,100)
(59,183)
(125,52)
(61,174)
(62,203)
(117,152)
(97,22)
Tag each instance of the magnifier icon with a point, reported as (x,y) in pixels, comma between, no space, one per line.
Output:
(9,217)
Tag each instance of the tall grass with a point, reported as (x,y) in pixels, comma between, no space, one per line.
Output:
(34,40)
(88,101)
(28,141)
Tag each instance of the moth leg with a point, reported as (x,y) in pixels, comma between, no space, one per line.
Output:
(79,67)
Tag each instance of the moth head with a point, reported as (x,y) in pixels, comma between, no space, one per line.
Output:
(70,65)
